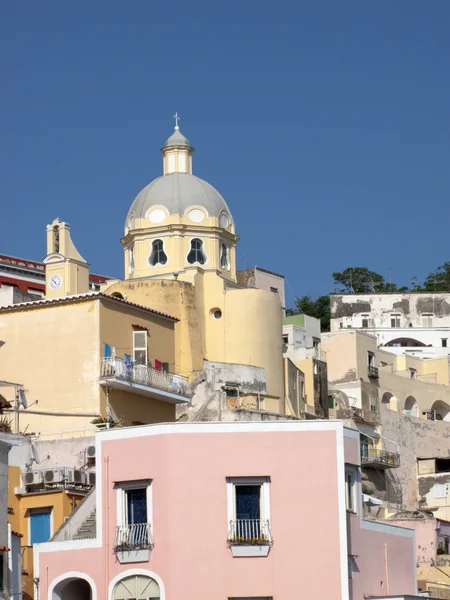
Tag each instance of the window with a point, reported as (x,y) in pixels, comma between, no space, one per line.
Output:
(131,260)
(444,342)
(248,510)
(350,489)
(158,256)
(373,404)
(40,525)
(137,586)
(370,360)
(285,339)
(224,261)
(196,254)
(134,514)
(140,347)
(413,373)
(365,321)
(274,290)
(395,320)
(427,319)
(316,347)
(302,389)
(439,490)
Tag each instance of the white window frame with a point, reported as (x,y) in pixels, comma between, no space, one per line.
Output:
(373,404)
(428,319)
(440,490)
(122,487)
(233,482)
(397,317)
(365,317)
(350,494)
(140,348)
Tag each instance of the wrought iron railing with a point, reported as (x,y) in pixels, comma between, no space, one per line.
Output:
(133,537)
(380,457)
(118,368)
(249,531)
(372,371)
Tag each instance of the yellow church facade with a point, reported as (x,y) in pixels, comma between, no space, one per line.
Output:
(180,257)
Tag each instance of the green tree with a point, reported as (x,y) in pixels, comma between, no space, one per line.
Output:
(360,280)
(439,280)
(319,308)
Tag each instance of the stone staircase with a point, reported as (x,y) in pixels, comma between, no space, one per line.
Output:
(88,528)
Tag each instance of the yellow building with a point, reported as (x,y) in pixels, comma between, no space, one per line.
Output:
(88,356)
(180,258)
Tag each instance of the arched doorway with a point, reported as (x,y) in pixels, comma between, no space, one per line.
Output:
(411,407)
(72,588)
(136,587)
(442,410)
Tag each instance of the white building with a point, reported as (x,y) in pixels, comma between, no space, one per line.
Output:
(301,337)
(417,323)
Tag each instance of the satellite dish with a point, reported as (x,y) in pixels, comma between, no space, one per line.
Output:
(23,400)
(34,454)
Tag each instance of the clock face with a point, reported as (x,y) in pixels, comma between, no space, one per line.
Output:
(56,282)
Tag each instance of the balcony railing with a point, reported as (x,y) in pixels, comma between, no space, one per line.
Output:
(380,458)
(249,531)
(118,368)
(372,371)
(133,537)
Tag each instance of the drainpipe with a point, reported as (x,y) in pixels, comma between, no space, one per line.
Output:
(386,568)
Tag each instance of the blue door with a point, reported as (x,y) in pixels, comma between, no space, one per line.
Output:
(39,527)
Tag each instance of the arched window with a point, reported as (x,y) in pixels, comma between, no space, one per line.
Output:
(131,260)
(158,256)
(56,238)
(138,587)
(196,254)
(224,261)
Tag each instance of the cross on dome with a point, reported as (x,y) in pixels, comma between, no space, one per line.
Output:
(177,118)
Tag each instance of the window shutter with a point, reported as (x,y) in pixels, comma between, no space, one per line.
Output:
(107,351)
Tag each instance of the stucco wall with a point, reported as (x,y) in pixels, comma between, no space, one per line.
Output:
(4,449)
(417,438)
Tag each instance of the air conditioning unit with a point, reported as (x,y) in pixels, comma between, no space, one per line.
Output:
(90,452)
(91,478)
(31,477)
(54,476)
(74,476)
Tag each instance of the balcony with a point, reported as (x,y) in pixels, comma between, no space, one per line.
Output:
(250,537)
(132,543)
(145,381)
(372,372)
(381,459)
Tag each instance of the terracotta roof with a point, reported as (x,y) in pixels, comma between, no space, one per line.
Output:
(82,297)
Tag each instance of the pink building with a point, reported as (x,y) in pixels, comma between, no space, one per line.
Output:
(250,510)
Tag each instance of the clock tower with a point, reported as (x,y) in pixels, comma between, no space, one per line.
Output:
(66,271)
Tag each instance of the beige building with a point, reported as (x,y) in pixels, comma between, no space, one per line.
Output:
(384,396)
(81,357)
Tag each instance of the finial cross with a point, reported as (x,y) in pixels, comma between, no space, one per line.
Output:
(177,118)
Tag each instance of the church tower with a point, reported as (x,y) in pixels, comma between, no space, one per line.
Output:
(179,222)
(66,271)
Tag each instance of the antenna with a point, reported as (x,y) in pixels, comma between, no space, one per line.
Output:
(23,400)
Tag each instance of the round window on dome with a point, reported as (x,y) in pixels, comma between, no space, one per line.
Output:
(157,216)
(196,215)
(224,221)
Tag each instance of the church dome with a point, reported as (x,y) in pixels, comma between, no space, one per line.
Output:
(177,192)
(178,189)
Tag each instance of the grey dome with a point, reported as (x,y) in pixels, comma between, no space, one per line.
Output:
(177,139)
(177,192)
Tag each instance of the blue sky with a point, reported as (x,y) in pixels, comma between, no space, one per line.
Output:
(325,125)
